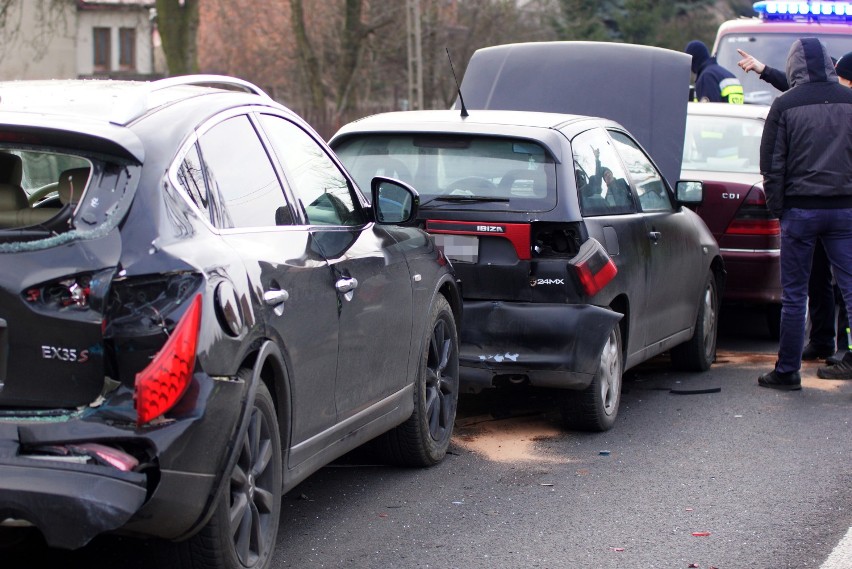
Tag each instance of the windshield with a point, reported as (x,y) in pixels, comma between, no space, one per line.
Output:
(722,144)
(477,172)
(771,49)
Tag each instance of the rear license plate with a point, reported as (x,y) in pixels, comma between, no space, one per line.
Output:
(459,248)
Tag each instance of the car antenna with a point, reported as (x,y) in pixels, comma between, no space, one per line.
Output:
(463,109)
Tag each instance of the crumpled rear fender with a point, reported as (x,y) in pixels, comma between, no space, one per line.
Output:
(551,345)
(70,504)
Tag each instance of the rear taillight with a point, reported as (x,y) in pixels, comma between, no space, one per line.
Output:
(70,292)
(753,218)
(594,266)
(161,385)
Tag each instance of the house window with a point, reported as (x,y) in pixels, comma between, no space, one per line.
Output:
(127,49)
(101,37)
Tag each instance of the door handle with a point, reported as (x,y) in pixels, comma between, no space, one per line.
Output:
(346,284)
(655,236)
(275,297)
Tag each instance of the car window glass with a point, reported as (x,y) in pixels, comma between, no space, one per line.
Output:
(601,182)
(482,172)
(648,181)
(315,180)
(722,144)
(190,176)
(240,174)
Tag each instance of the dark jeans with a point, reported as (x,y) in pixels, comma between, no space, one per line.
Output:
(821,301)
(844,342)
(800,230)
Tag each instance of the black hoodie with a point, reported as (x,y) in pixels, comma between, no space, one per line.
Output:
(806,149)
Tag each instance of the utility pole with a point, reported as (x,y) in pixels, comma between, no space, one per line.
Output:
(415,54)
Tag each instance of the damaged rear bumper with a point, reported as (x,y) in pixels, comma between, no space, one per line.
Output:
(548,345)
(70,504)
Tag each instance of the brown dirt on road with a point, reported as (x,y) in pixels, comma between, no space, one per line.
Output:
(513,439)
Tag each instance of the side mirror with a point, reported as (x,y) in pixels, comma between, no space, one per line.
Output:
(394,202)
(689,192)
(283,216)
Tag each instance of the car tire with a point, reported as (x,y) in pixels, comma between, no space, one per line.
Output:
(699,352)
(596,407)
(424,438)
(252,497)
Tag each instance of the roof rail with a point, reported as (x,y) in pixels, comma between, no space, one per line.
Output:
(138,105)
(201,80)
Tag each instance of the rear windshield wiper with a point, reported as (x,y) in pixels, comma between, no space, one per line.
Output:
(465,199)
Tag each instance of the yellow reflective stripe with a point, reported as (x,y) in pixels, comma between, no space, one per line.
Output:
(733,91)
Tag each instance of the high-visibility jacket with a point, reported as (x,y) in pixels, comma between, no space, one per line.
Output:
(718,85)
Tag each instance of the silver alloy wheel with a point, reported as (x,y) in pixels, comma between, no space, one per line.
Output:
(609,372)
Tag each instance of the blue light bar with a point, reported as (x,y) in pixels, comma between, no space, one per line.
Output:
(786,10)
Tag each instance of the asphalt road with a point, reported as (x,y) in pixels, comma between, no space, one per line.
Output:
(742,477)
(745,477)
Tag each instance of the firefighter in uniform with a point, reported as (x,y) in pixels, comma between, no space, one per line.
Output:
(713,82)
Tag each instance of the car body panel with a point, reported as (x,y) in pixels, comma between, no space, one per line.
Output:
(374,260)
(533,342)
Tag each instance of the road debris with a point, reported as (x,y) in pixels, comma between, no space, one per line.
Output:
(695,391)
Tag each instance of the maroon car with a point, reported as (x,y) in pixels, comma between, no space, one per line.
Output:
(722,148)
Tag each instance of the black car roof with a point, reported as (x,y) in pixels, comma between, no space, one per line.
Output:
(644,88)
(104,109)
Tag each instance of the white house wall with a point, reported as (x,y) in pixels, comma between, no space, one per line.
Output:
(38,41)
(90,19)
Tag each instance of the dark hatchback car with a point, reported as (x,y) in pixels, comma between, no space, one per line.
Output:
(198,309)
(577,260)
(721,149)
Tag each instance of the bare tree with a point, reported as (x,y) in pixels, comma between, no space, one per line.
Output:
(331,71)
(177,22)
(246,39)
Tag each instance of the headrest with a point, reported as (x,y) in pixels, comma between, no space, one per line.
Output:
(72,183)
(11,169)
(12,197)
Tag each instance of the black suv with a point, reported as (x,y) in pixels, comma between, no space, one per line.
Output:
(198,309)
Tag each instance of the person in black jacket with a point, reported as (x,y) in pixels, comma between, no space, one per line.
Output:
(829,328)
(776,78)
(807,177)
(713,82)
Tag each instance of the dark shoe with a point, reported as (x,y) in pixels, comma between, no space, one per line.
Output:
(840,370)
(836,358)
(812,352)
(784,381)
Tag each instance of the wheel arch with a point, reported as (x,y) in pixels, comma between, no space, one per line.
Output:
(450,290)
(621,304)
(717,266)
(268,365)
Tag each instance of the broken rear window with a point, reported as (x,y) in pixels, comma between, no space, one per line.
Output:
(41,195)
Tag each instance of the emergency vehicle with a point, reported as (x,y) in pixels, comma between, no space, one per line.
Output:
(769,35)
